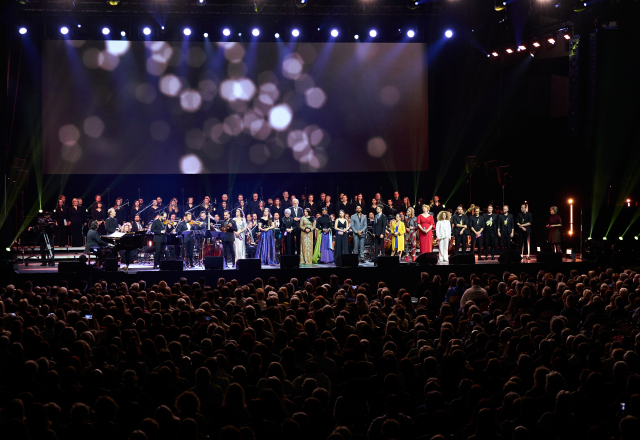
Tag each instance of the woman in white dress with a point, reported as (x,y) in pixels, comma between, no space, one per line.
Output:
(241,226)
(443,234)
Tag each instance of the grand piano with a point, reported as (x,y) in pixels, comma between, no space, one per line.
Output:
(126,242)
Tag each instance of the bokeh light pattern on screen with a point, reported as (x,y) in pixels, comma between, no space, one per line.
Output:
(162,107)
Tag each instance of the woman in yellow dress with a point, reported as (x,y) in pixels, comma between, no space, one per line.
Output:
(397,230)
(307,228)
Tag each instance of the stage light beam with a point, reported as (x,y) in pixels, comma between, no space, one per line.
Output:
(226,32)
(64,30)
(206,35)
(187,31)
(356,36)
(23,30)
(448,33)
(255,32)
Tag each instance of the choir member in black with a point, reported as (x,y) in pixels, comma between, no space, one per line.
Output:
(554,225)
(311,206)
(159,230)
(359,201)
(44,229)
(135,210)
(240,204)
(277,233)
(174,209)
(491,223)
(389,209)
(288,227)
(524,229)
(224,198)
(322,202)
(341,227)
(187,240)
(207,206)
(329,205)
(406,204)
(460,230)
(224,207)
(189,206)
(436,206)
(344,205)
(505,231)
(93,239)
(152,212)
(373,209)
(86,219)
(379,229)
(277,207)
(286,201)
(111,223)
(127,257)
(77,218)
(254,205)
(94,205)
(137,224)
(476,225)
(396,203)
(121,212)
(296,213)
(61,216)
(229,239)
(99,216)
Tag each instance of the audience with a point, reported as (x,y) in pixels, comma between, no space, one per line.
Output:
(510,356)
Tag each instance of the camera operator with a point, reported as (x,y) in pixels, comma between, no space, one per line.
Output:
(44,226)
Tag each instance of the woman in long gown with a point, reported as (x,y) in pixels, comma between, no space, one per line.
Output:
(425,228)
(266,251)
(341,227)
(241,228)
(76,216)
(554,225)
(307,226)
(323,252)
(411,234)
(397,230)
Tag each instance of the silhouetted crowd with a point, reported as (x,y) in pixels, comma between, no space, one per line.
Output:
(496,356)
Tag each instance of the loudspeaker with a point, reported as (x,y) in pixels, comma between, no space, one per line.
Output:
(213,263)
(462,259)
(428,258)
(347,260)
(289,261)
(509,257)
(71,266)
(249,264)
(386,261)
(111,265)
(549,257)
(177,265)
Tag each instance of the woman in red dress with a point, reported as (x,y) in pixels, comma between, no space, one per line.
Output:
(425,226)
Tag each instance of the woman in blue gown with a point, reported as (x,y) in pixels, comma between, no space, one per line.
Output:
(266,251)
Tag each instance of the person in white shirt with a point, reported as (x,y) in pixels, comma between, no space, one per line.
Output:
(443,233)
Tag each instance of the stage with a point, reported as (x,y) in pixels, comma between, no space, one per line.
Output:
(405,275)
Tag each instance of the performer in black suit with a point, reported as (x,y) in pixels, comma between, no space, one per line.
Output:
(111,224)
(379,228)
(137,224)
(524,224)
(460,230)
(94,240)
(76,217)
(477,228)
(491,224)
(121,212)
(187,241)
(159,230)
(505,230)
(297,213)
(229,240)
(61,215)
(288,227)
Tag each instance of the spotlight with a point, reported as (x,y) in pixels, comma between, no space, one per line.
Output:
(106,31)
(566,35)
(226,32)
(411,34)
(579,5)
(509,50)
(448,33)
(255,32)
(301,3)
(499,5)
(571,201)
(356,36)
(79,25)
(187,31)
(146,31)
(295,33)
(201,2)
(162,27)
(604,238)
(636,237)
(536,42)
(123,33)
(64,30)
(277,35)
(412,4)
(495,54)
(522,47)
(620,238)
(373,33)
(114,2)
(551,40)
(206,35)
(334,33)
(23,31)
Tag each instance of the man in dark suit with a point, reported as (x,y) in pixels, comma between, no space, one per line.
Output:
(229,239)
(93,239)
(254,206)
(297,213)
(137,224)
(506,228)
(459,230)
(159,231)
(187,240)
(524,223)
(379,228)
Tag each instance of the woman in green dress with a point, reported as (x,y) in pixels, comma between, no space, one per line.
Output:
(307,226)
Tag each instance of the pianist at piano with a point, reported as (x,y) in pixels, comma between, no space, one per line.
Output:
(93,239)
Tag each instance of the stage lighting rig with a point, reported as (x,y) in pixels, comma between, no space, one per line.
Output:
(499,5)
(302,3)
(201,2)
(551,41)
(258,5)
(412,4)
(579,5)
